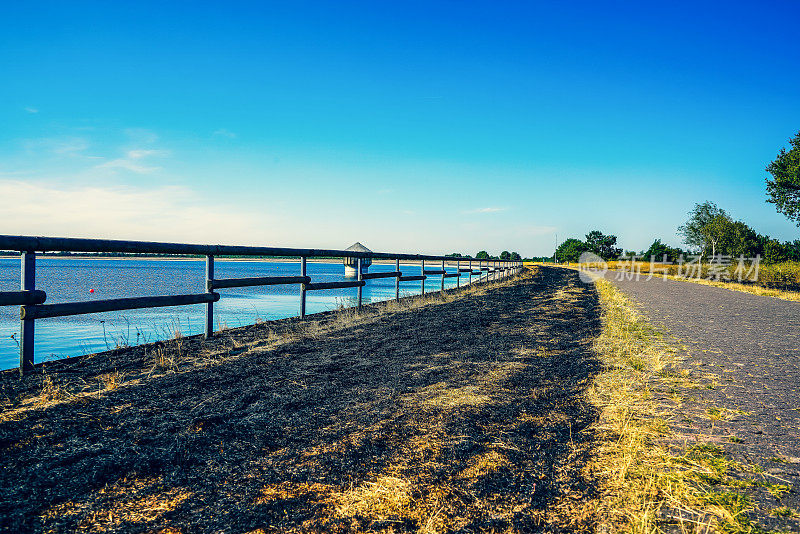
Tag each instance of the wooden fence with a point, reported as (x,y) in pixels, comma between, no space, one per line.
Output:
(32,301)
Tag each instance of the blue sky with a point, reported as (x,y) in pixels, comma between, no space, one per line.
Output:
(409,126)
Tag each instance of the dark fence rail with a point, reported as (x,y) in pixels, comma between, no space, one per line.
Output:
(33,307)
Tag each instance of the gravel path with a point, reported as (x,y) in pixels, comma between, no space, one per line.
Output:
(747,347)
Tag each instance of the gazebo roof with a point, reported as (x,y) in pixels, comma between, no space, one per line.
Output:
(358,247)
(352,262)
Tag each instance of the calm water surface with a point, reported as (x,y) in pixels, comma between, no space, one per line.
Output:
(70,280)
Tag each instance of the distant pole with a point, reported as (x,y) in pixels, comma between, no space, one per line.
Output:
(458,271)
(442,290)
(470,272)
(555,251)
(360,274)
(27,283)
(422,272)
(209,305)
(397,280)
(302,288)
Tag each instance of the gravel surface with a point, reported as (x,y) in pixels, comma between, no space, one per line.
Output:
(747,349)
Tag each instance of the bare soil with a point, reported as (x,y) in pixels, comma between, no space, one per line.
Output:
(463,412)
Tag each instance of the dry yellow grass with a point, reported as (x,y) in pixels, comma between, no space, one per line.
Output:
(647,481)
(772,281)
(745,288)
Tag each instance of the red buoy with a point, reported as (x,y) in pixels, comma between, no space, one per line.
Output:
(91,291)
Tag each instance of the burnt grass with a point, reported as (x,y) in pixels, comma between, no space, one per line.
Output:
(461,413)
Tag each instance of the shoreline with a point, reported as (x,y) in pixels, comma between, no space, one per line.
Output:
(218,260)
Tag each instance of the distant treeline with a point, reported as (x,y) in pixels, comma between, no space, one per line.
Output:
(483,255)
(709,232)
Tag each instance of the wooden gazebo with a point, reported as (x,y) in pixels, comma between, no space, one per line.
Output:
(351,264)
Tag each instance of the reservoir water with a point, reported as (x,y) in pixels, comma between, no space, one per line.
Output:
(71,280)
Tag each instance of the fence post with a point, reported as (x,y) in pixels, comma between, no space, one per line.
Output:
(27,283)
(209,305)
(458,270)
(359,279)
(442,290)
(470,272)
(397,280)
(422,272)
(302,288)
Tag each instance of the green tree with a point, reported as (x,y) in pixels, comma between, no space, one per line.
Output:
(794,250)
(505,255)
(743,241)
(515,256)
(482,255)
(570,250)
(784,187)
(775,251)
(657,250)
(603,245)
(706,227)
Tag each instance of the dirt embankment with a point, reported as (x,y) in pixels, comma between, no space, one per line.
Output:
(461,413)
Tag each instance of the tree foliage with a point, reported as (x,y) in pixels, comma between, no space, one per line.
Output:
(705,228)
(713,231)
(603,245)
(570,250)
(515,256)
(659,250)
(482,255)
(505,255)
(783,189)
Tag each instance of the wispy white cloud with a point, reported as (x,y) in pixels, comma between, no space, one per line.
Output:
(223,132)
(132,161)
(139,154)
(61,146)
(486,210)
(165,213)
(128,165)
(31,110)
